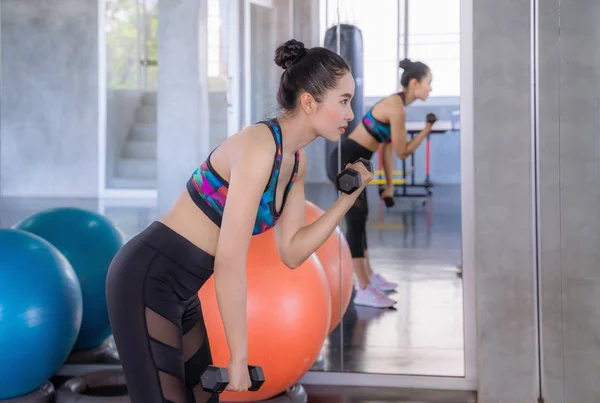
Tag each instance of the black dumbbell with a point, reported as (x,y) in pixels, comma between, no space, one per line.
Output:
(257,377)
(215,379)
(349,180)
(389,201)
(431,118)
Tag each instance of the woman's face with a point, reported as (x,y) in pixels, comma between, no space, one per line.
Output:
(422,88)
(334,111)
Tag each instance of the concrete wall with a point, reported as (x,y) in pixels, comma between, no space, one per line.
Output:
(49,97)
(567,207)
(504,249)
(569,105)
(549,203)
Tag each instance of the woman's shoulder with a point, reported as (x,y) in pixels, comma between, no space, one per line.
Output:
(256,138)
(392,104)
(395,99)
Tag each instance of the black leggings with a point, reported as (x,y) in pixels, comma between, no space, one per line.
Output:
(156,317)
(356,217)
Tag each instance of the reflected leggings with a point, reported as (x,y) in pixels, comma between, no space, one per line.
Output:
(356,217)
(156,317)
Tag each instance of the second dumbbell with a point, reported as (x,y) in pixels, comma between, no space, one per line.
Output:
(215,379)
(348,181)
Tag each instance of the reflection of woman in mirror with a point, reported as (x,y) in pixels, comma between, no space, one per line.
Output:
(383,124)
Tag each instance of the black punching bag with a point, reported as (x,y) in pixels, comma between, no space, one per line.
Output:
(351,49)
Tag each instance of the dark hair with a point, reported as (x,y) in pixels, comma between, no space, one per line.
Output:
(416,70)
(313,70)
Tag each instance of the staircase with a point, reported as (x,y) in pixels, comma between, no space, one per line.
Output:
(136,164)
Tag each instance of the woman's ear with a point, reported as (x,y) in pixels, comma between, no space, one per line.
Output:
(308,103)
(413,83)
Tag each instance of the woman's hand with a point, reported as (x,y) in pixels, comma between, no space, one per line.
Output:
(366,176)
(431,118)
(387,192)
(387,195)
(239,377)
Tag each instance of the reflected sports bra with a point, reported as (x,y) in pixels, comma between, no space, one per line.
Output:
(208,189)
(382,132)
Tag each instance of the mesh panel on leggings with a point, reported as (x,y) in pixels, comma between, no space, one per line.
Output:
(172,388)
(168,333)
(193,340)
(162,329)
(196,353)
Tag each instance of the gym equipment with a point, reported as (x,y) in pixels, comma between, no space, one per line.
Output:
(431,118)
(389,201)
(89,241)
(257,377)
(408,170)
(44,394)
(336,260)
(348,180)
(215,379)
(351,49)
(105,353)
(101,386)
(41,311)
(288,317)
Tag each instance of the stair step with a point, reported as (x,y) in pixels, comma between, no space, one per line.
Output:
(149,98)
(143,132)
(217,97)
(140,149)
(217,113)
(133,168)
(127,183)
(145,114)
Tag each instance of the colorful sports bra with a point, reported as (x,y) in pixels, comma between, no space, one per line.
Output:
(381,131)
(208,189)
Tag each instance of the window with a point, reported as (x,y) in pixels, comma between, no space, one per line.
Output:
(433,38)
(378,25)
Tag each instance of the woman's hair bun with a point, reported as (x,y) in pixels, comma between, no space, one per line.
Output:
(405,64)
(289,53)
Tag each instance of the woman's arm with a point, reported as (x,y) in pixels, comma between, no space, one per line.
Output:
(251,163)
(296,241)
(387,157)
(403,148)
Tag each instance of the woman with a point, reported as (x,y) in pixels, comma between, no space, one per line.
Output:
(383,124)
(153,281)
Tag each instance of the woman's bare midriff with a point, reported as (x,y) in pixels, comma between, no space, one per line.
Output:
(362,137)
(185,218)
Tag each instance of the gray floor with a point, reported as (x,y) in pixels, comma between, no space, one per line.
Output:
(416,245)
(340,394)
(419,247)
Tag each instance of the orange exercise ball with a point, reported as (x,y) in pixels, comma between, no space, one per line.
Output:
(288,315)
(337,264)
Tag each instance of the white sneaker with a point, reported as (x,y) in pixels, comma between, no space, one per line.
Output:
(370,296)
(381,283)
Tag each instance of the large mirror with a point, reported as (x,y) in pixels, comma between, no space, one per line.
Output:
(411,258)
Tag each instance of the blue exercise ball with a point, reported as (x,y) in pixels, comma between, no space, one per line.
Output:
(89,241)
(40,312)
